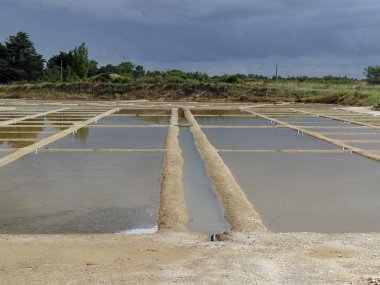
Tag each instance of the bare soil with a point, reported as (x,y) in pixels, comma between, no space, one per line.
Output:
(183,258)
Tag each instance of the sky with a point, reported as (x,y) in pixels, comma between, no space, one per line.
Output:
(304,37)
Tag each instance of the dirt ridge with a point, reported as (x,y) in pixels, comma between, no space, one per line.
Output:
(173,211)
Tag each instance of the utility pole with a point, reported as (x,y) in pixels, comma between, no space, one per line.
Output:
(276,71)
(61,70)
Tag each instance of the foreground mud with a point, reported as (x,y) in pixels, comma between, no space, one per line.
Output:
(180,258)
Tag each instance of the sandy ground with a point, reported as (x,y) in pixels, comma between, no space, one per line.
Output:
(182,258)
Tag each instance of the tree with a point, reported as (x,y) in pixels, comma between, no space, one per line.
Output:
(53,67)
(93,68)
(126,68)
(372,73)
(4,68)
(138,71)
(81,63)
(109,68)
(24,63)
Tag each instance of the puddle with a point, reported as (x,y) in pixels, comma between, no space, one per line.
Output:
(205,211)
(80,193)
(146,138)
(232,121)
(135,120)
(263,139)
(328,193)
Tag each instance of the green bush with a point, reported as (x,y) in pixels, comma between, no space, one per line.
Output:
(122,80)
(104,77)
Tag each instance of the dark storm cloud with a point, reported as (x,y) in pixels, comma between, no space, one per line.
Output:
(312,37)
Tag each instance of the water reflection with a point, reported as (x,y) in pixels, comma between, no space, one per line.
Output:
(134,120)
(82,135)
(80,193)
(17,133)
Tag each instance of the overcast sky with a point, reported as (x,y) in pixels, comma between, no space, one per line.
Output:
(338,37)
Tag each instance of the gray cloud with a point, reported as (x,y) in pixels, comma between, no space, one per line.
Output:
(218,36)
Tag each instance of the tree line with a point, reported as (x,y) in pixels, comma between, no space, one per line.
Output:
(20,62)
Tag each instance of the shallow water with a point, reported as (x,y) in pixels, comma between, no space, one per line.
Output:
(15,144)
(350,129)
(80,193)
(315,121)
(218,112)
(366,146)
(135,120)
(144,111)
(309,119)
(22,135)
(232,121)
(279,138)
(4,153)
(44,122)
(373,136)
(326,193)
(204,209)
(143,138)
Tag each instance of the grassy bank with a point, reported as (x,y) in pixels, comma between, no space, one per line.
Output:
(350,92)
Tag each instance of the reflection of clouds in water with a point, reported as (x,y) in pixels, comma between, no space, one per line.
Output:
(81,135)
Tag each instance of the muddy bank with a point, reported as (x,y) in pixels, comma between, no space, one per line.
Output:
(173,212)
(238,211)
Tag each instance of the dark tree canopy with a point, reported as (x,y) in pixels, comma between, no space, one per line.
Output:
(24,63)
(81,63)
(138,71)
(372,73)
(3,64)
(53,67)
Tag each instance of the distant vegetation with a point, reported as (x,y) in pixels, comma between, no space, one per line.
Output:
(73,75)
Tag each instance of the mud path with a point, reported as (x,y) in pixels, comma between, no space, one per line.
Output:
(173,211)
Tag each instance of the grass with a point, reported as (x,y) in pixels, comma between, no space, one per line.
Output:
(347,92)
